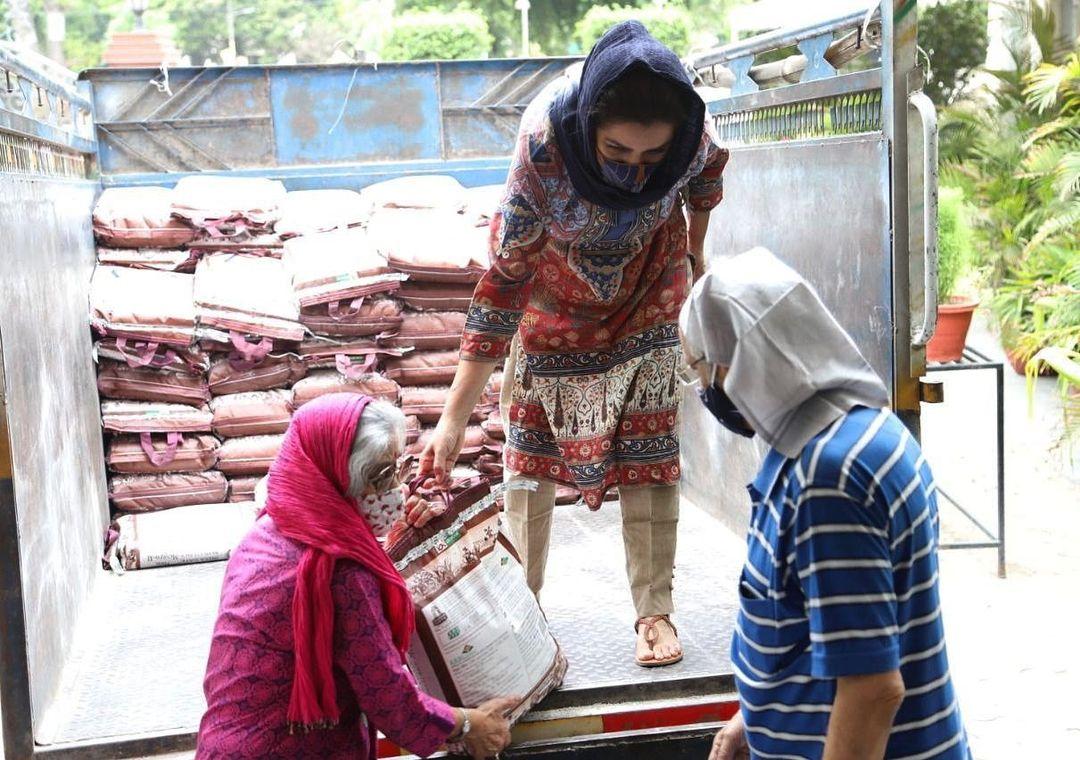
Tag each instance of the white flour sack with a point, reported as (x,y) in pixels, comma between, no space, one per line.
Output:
(480,632)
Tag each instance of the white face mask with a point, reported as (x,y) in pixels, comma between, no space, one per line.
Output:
(382,510)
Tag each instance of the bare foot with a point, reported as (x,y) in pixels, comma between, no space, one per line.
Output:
(657,641)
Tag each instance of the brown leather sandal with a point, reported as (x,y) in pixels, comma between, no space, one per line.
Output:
(652,635)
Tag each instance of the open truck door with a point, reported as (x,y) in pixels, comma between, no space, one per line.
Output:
(832,167)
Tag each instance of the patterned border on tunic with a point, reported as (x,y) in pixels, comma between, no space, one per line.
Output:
(597,362)
(502,322)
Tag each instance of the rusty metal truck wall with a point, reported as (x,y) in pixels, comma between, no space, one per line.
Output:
(315,126)
(49,396)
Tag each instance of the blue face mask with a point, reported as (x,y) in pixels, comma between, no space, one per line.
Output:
(630,177)
(724,410)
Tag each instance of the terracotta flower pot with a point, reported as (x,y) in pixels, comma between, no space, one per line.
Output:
(954,319)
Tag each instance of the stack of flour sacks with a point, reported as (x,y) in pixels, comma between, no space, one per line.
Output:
(222,305)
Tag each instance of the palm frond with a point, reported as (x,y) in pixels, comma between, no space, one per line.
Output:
(1067,173)
(1066,220)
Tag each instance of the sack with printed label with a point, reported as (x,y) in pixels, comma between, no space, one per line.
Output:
(480,632)
(154,417)
(181,536)
(228,207)
(435,191)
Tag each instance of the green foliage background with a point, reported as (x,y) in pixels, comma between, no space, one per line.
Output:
(953,34)
(425,35)
(669,24)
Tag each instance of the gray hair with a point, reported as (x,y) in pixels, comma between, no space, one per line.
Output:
(380,436)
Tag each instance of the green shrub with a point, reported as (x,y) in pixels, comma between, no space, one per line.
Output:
(954,36)
(670,24)
(433,35)
(954,241)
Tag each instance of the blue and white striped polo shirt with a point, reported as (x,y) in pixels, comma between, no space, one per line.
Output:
(841,579)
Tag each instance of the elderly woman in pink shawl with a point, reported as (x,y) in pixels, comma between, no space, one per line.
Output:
(307,658)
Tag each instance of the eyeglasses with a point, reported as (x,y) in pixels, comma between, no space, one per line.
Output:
(393,473)
(686,372)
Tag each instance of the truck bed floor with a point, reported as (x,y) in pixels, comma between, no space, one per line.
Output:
(144,642)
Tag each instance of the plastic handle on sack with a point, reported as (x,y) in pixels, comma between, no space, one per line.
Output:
(354,372)
(336,314)
(161,458)
(144,353)
(251,352)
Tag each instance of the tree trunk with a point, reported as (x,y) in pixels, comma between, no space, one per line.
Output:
(55,44)
(22,24)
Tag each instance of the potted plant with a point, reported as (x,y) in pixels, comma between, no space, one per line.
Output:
(954,263)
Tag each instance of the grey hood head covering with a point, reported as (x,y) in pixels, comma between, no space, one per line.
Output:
(792,370)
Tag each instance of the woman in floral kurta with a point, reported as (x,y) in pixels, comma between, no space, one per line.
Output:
(589,269)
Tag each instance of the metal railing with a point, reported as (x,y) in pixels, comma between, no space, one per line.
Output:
(46,125)
(832,87)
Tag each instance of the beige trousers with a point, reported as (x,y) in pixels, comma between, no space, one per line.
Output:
(650,517)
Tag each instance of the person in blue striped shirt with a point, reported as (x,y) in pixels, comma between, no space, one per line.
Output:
(839,651)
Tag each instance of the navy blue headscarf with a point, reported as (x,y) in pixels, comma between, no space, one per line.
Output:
(624,47)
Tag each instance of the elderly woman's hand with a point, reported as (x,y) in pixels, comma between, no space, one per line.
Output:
(490,732)
(419,511)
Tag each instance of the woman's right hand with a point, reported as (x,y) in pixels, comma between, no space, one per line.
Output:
(490,731)
(441,452)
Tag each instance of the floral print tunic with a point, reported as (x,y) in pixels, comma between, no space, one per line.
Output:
(594,296)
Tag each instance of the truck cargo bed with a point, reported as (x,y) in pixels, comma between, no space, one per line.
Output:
(137,678)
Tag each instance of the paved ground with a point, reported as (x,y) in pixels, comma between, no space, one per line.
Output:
(1012,643)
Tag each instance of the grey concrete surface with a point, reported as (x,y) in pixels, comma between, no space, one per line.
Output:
(1011,642)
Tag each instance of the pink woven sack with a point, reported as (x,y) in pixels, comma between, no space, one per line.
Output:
(224,206)
(154,417)
(251,455)
(168,452)
(162,259)
(423,368)
(428,402)
(243,488)
(353,317)
(430,245)
(190,360)
(353,358)
(308,212)
(143,304)
(427,296)
(430,331)
(146,493)
(233,374)
(323,382)
(256,413)
(139,217)
(471,448)
(412,429)
(119,381)
(247,295)
(435,191)
(493,426)
(337,265)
